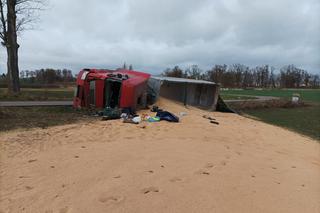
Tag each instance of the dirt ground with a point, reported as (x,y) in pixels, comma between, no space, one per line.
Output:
(240,165)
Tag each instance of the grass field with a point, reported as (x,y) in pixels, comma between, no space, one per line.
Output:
(43,117)
(305,120)
(312,95)
(41,94)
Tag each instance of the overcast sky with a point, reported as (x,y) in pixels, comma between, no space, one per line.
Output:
(156,34)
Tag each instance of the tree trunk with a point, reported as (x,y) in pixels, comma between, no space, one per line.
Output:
(12,49)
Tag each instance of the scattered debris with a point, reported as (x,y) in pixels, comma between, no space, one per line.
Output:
(214,122)
(124,115)
(136,119)
(153,119)
(155,108)
(111,113)
(208,117)
(167,116)
(129,120)
(133,119)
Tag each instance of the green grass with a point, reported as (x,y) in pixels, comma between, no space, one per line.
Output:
(312,95)
(31,117)
(304,120)
(41,94)
(43,117)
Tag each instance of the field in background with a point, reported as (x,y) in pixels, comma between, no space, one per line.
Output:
(305,120)
(312,95)
(39,94)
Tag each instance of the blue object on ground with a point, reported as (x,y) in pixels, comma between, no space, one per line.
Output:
(167,116)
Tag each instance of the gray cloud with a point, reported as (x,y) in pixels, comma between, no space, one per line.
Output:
(153,35)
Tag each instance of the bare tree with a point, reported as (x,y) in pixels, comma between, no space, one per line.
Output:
(194,72)
(15,17)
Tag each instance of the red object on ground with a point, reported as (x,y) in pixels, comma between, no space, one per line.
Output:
(114,88)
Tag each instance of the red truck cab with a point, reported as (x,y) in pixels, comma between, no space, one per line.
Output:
(119,88)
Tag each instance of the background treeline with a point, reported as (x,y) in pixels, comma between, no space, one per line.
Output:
(233,76)
(242,76)
(42,77)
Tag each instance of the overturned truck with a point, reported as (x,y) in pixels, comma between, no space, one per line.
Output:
(119,88)
(123,88)
(192,92)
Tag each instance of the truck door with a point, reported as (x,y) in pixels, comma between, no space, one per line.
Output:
(112,92)
(92,93)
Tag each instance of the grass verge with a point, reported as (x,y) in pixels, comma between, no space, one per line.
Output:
(304,120)
(43,117)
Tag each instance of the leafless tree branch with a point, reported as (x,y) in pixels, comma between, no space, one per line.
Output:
(3,25)
(27,13)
